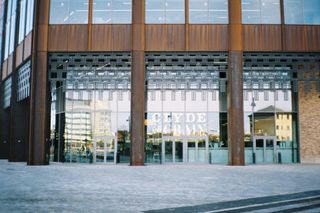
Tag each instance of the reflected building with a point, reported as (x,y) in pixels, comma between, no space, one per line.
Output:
(159,82)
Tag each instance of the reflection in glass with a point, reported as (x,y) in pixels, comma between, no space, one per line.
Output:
(165,12)
(178,151)
(302,11)
(111,12)
(273,119)
(89,127)
(69,11)
(208,11)
(261,12)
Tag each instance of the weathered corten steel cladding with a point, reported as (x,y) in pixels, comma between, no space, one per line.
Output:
(138,38)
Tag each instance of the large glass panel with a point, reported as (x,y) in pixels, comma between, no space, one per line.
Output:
(155,11)
(199,11)
(7,25)
(121,11)
(7,92)
(302,11)
(1,25)
(165,12)
(311,11)
(13,26)
(191,153)
(218,11)
(270,154)
(23,87)
(261,12)
(92,113)
(178,150)
(183,105)
(208,11)
(69,11)
(78,11)
(30,13)
(22,22)
(168,147)
(59,11)
(111,11)
(270,12)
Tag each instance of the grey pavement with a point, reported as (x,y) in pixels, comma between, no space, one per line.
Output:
(121,188)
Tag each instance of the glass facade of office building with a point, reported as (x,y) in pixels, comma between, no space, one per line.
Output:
(183,51)
(90,110)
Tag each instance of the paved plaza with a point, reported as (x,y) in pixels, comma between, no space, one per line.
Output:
(166,188)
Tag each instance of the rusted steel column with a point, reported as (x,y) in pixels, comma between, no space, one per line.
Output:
(39,126)
(137,84)
(235,86)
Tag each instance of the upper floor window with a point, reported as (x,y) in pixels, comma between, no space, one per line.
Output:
(165,12)
(22,22)
(10,27)
(261,12)
(208,11)
(302,11)
(30,14)
(7,93)
(1,25)
(26,18)
(69,11)
(111,11)
(23,86)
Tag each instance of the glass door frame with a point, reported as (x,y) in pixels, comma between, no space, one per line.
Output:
(184,140)
(105,139)
(265,138)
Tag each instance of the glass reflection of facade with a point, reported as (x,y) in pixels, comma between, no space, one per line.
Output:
(10,27)
(185,95)
(208,11)
(165,11)
(261,12)
(111,11)
(302,11)
(90,110)
(269,112)
(69,11)
(25,19)
(1,25)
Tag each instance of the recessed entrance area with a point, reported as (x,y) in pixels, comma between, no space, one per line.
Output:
(184,149)
(186,108)
(265,150)
(105,150)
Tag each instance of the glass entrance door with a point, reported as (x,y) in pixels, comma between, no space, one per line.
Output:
(172,150)
(265,150)
(188,150)
(197,150)
(104,150)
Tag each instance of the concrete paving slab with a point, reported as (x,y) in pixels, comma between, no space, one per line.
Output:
(121,188)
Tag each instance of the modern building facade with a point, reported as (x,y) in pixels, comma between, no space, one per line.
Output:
(160,81)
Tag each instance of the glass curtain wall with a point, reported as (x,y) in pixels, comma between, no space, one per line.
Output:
(69,11)
(112,11)
(208,11)
(90,111)
(165,12)
(10,27)
(261,12)
(1,25)
(269,113)
(302,11)
(183,110)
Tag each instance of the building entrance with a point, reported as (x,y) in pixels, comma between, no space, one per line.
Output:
(184,149)
(265,150)
(105,150)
